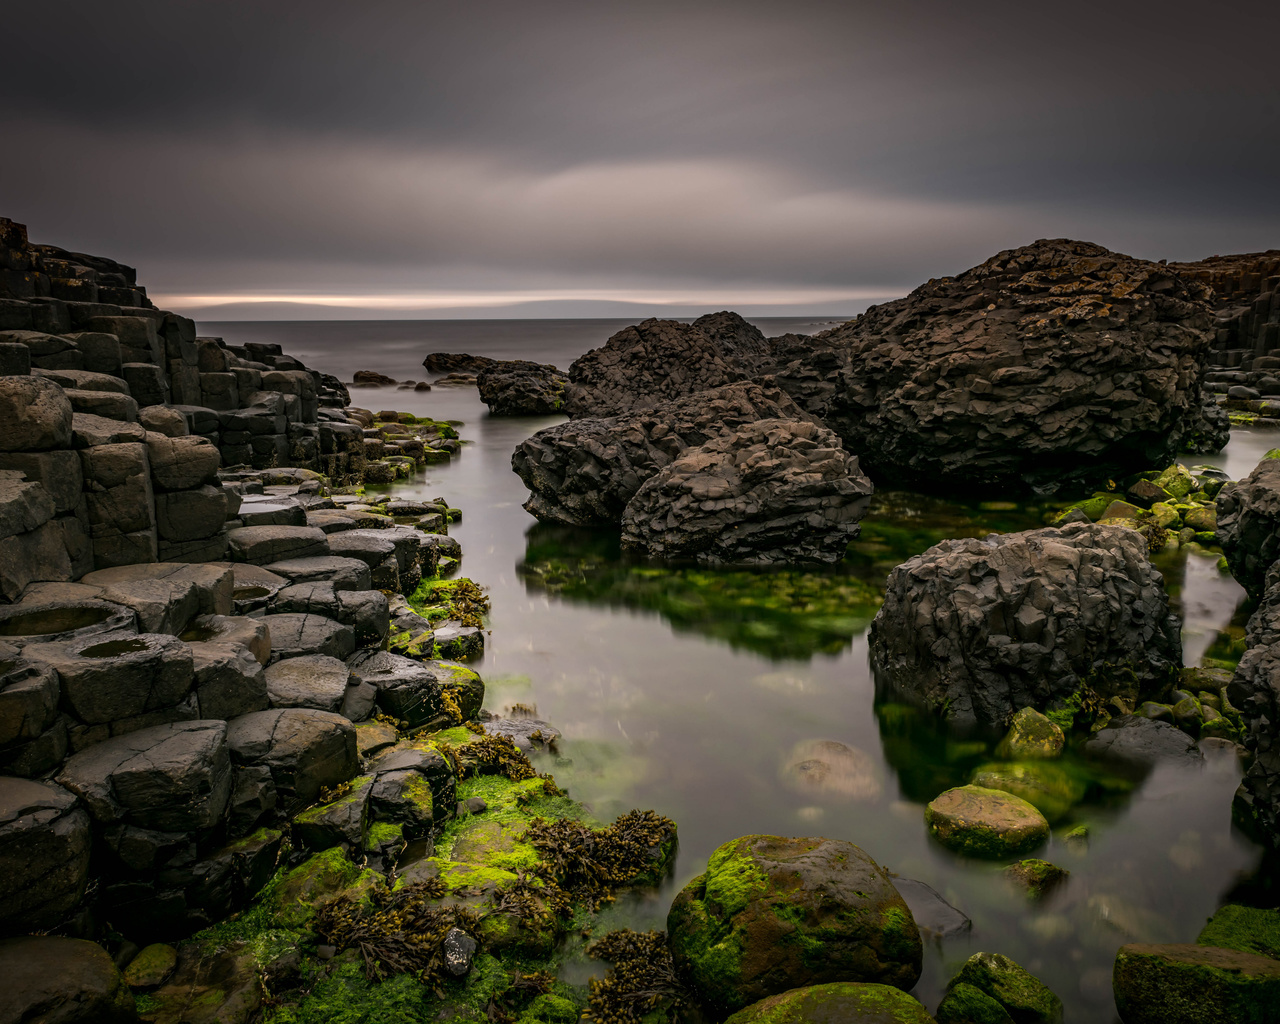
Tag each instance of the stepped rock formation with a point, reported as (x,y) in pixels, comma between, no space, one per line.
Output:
(1051,365)
(981,628)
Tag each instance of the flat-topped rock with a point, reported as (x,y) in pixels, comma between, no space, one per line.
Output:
(263,545)
(294,634)
(46,615)
(170,778)
(268,510)
(308,681)
(214,582)
(343,573)
(103,403)
(254,586)
(373,547)
(242,630)
(44,854)
(91,431)
(85,380)
(1143,742)
(1163,984)
(984,822)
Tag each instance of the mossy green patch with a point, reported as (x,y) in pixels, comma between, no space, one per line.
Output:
(1248,929)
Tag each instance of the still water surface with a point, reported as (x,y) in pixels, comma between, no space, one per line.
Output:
(693,692)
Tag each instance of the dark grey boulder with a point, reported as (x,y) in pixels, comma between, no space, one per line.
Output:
(319,598)
(108,678)
(1255,691)
(773,492)
(981,628)
(305,750)
(253,797)
(585,472)
(263,545)
(1143,742)
(397,795)
(309,681)
(229,680)
(213,584)
(53,980)
(90,431)
(343,573)
(934,916)
(454,640)
(407,690)
(1249,525)
(367,613)
(44,853)
(169,778)
(243,630)
(270,510)
(181,463)
(521,388)
(293,635)
(36,415)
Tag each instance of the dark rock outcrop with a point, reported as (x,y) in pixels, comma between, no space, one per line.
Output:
(1255,691)
(44,853)
(981,628)
(62,981)
(585,471)
(1047,366)
(456,362)
(771,492)
(1249,525)
(518,387)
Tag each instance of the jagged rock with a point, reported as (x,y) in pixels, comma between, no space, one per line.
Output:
(1249,525)
(398,794)
(29,692)
(1047,367)
(52,980)
(1255,691)
(656,361)
(1208,434)
(979,628)
(36,415)
(771,492)
(454,362)
(305,750)
(773,914)
(584,472)
(44,854)
(309,681)
(407,690)
(113,678)
(294,635)
(170,778)
(518,387)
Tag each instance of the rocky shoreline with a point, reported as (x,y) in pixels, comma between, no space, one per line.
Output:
(246,773)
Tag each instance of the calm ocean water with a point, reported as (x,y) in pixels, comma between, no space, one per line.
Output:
(694,693)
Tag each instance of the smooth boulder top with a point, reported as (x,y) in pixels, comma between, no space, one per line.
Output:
(308,681)
(840,1002)
(1143,742)
(982,822)
(1161,984)
(262,545)
(53,980)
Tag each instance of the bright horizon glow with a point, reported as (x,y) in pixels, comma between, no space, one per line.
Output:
(409,301)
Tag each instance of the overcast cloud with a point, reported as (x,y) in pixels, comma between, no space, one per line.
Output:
(441,158)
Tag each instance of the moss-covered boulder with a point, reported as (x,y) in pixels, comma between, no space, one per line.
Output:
(840,1002)
(152,966)
(992,989)
(772,914)
(1187,984)
(210,986)
(317,879)
(980,822)
(1050,788)
(1031,735)
(1245,928)
(1037,878)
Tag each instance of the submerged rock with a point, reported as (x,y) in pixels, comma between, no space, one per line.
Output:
(977,628)
(1046,367)
(1031,735)
(772,914)
(1036,877)
(771,492)
(1162,984)
(982,822)
(842,1001)
(830,768)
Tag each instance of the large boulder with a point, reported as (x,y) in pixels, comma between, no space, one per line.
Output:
(771,492)
(1249,525)
(518,387)
(1173,984)
(653,362)
(1046,367)
(36,414)
(979,628)
(837,1002)
(585,471)
(413,692)
(982,822)
(305,750)
(991,987)
(772,914)
(44,853)
(52,980)
(169,778)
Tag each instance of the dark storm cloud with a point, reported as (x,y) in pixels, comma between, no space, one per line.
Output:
(518,148)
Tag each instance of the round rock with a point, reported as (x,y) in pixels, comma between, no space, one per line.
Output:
(982,822)
(840,1002)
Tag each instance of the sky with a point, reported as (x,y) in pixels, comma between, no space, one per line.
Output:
(502,158)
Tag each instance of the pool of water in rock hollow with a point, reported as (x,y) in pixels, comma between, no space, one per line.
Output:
(692,692)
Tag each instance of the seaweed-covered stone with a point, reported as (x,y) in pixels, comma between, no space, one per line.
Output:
(1249,929)
(990,984)
(839,1002)
(345,819)
(771,492)
(979,628)
(44,853)
(982,822)
(585,471)
(1248,520)
(418,692)
(209,987)
(1031,735)
(1160,984)
(52,980)
(772,914)
(1047,367)
(518,387)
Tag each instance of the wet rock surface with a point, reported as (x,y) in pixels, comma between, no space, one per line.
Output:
(1248,525)
(980,628)
(771,492)
(62,981)
(851,1002)
(982,822)
(521,388)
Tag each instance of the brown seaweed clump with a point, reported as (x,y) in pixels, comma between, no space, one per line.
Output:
(641,980)
(592,863)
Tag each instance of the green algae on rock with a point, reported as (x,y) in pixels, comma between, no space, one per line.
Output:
(771,914)
(1036,877)
(983,822)
(992,989)
(1160,984)
(1052,789)
(1249,929)
(151,967)
(1031,735)
(840,1002)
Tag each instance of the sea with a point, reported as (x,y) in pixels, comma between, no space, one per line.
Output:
(709,696)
